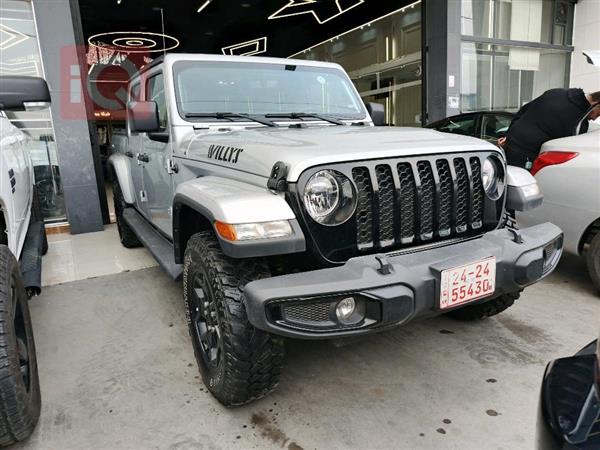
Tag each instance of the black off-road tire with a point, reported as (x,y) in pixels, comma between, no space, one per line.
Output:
(250,359)
(126,234)
(36,211)
(19,388)
(592,258)
(478,311)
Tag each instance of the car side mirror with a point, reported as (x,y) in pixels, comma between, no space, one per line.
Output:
(377,113)
(20,93)
(143,117)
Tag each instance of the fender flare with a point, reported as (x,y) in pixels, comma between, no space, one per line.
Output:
(235,202)
(120,165)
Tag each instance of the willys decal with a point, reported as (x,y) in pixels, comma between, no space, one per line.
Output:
(223,153)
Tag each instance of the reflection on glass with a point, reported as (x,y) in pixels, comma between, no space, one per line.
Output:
(543,21)
(383,60)
(500,78)
(20,55)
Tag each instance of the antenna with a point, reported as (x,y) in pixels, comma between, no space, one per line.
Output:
(162,21)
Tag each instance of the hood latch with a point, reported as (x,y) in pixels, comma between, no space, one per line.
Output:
(277,181)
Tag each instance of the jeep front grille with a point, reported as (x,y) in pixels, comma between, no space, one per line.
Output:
(405,203)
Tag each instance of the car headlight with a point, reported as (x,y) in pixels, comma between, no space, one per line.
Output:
(329,197)
(492,175)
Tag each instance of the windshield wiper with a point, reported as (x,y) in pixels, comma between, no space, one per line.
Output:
(230,116)
(300,115)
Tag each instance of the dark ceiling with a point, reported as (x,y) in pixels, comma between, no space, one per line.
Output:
(227,22)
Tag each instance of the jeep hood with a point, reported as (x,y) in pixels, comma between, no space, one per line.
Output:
(256,150)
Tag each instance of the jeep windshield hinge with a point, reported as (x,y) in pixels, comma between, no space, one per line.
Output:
(171,167)
(277,180)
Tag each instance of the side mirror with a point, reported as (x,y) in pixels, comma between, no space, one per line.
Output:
(377,113)
(143,117)
(19,93)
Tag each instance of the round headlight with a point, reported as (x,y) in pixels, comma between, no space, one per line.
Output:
(488,174)
(492,175)
(329,197)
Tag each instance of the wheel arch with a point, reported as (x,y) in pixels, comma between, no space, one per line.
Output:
(198,203)
(189,218)
(590,232)
(120,166)
(3,224)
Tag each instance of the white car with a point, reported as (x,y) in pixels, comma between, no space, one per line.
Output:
(568,173)
(22,243)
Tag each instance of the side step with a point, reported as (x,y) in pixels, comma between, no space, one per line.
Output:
(158,245)
(31,258)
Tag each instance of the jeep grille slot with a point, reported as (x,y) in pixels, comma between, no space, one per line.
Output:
(427,189)
(462,195)
(419,204)
(364,216)
(446,196)
(408,198)
(477,220)
(385,184)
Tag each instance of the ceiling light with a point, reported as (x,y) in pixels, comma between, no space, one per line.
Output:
(360,27)
(248,48)
(204,5)
(297,7)
(129,41)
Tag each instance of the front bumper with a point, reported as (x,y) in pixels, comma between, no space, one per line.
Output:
(406,288)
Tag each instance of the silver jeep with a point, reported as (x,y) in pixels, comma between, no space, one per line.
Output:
(264,183)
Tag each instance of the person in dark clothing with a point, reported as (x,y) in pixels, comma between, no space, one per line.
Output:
(552,115)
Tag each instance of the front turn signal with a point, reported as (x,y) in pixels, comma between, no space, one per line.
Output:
(226,231)
(253,231)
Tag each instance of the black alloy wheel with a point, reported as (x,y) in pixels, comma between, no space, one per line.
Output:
(20,334)
(205,321)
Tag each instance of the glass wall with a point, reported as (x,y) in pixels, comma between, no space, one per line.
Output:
(496,77)
(523,51)
(545,21)
(20,55)
(383,59)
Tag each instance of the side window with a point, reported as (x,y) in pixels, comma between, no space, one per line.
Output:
(134,93)
(155,91)
(465,126)
(494,126)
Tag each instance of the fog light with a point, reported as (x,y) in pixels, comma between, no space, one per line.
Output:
(345,309)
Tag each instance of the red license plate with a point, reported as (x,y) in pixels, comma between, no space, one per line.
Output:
(467,283)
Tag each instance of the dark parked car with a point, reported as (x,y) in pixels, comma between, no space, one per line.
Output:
(568,416)
(488,125)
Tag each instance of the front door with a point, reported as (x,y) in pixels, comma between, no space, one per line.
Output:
(156,151)
(136,165)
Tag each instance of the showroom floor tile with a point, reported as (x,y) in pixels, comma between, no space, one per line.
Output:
(117,371)
(77,257)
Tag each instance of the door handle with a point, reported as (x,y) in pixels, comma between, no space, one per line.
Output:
(143,157)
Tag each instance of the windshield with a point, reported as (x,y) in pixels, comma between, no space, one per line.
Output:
(260,89)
